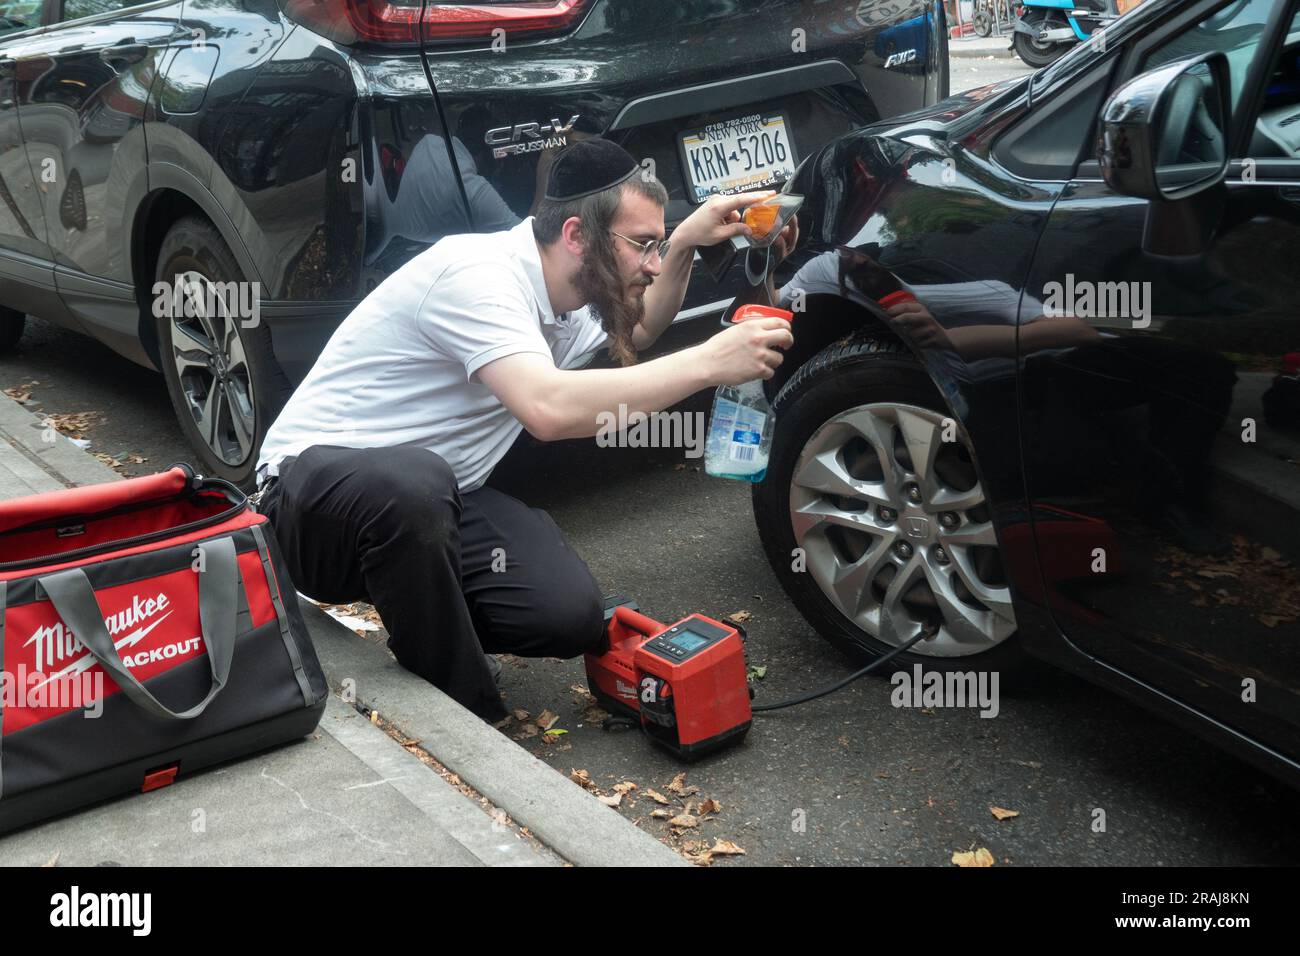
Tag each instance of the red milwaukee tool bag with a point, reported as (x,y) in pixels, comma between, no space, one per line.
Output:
(147,628)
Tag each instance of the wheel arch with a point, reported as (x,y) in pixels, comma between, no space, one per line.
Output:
(827,319)
(174,194)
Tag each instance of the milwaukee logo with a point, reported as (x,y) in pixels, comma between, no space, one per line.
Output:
(57,643)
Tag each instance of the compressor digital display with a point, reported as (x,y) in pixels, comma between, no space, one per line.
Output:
(687,641)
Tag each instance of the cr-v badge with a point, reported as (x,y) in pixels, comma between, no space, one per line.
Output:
(528,137)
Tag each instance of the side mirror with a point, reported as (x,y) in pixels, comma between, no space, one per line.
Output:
(1164,133)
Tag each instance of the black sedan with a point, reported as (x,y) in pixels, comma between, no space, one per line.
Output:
(1043,398)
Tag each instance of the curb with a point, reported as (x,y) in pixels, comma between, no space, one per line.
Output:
(982,52)
(563,816)
(39,463)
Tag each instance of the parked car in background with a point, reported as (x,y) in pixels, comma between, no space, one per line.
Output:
(313,146)
(1039,398)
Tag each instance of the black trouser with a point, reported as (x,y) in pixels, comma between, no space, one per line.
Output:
(452,575)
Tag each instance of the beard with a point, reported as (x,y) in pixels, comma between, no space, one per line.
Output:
(602,284)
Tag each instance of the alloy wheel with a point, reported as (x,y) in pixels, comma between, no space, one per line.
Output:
(212,367)
(887,506)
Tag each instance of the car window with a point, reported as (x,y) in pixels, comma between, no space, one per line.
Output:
(1277,127)
(20,15)
(1233,29)
(76,9)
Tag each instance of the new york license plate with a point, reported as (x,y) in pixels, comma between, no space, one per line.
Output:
(737,155)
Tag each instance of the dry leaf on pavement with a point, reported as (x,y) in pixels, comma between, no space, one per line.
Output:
(1003,814)
(980,857)
(678,786)
(582,779)
(612,800)
(684,820)
(658,797)
(725,848)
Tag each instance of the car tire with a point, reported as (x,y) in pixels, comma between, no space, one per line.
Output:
(876,383)
(1037,54)
(12,323)
(224,405)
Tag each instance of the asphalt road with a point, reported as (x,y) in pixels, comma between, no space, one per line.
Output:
(844,780)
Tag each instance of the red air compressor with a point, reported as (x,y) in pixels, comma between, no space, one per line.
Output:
(684,683)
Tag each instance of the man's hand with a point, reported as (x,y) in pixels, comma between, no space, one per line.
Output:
(746,351)
(717,219)
(918,323)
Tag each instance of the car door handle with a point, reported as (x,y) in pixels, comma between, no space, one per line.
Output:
(124,53)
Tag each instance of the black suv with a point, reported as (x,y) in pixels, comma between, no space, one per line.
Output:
(209,186)
(1042,396)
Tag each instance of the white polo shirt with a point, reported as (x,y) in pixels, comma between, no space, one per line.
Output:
(400,368)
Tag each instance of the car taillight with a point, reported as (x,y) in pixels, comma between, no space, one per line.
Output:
(382,22)
(352,22)
(449,22)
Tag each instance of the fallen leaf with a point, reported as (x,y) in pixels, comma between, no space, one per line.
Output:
(374,716)
(1003,814)
(709,806)
(612,800)
(740,617)
(658,797)
(725,848)
(684,820)
(661,814)
(756,673)
(678,786)
(546,719)
(582,779)
(980,857)
(555,732)
(522,715)
(624,787)
(526,731)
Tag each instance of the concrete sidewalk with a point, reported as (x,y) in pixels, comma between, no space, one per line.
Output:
(979,47)
(349,794)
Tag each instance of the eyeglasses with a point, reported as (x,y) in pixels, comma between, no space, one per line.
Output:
(648,248)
